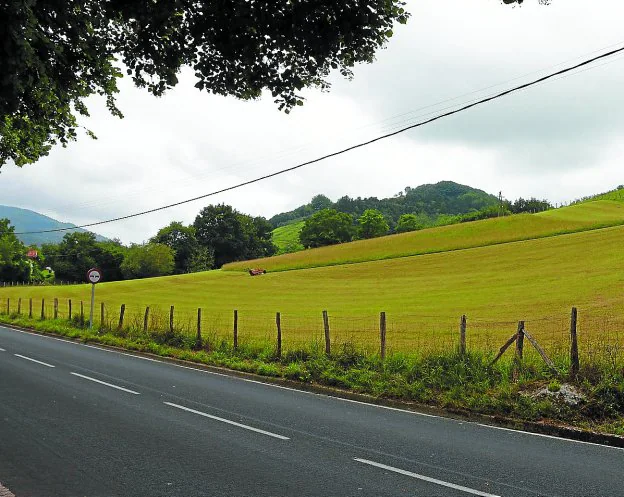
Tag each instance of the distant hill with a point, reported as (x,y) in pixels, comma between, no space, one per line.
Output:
(445,197)
(27,220)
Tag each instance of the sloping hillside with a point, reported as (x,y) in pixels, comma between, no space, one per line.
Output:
(580,217)
(27,220)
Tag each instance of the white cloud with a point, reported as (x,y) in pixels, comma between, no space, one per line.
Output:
(559,140)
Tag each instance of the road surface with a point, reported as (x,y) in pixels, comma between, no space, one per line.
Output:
(76,420)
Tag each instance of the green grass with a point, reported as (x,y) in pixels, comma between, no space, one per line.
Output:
(571,219)
(616,195)
(424,296)
(286,238)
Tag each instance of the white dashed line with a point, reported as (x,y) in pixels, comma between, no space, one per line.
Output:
(234,423)
(426,478)
(34,360)
(107,384)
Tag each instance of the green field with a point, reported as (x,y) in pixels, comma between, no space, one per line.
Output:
(576,218)
(424,296)
(286,238)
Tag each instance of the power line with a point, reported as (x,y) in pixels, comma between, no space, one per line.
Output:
(345,150)
(392,123)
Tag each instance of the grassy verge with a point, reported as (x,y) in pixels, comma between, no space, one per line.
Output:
(444,380)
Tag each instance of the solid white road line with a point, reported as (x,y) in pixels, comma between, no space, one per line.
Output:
(425,478)
(2,350)
(34,360)
(107,384)
(234,423)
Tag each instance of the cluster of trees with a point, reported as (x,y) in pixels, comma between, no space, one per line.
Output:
(219,235)
(443,198)
(330,225)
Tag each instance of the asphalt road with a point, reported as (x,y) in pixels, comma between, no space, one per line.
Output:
(76,420)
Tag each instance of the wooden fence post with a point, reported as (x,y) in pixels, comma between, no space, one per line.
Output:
(42,308)
(81,313)
(235,329)
(171,320)
(519,350)
(122,311)
(69,310)
(382,334)
(198,340)
(520,341)
(30,314)
(326,328)
(19,305)
(278,322)
(8,306)
(574,353)
(146,319)
(102,315)
(55,308)
(462,335)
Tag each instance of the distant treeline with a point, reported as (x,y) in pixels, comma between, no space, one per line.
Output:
(219,235)
(444,198)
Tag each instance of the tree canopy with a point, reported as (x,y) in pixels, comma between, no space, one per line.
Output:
(327,227)
(372,224)
(233,236)
(55,54)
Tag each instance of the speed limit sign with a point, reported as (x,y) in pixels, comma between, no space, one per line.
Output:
(94,275)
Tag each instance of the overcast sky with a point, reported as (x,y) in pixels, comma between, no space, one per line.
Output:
(560,140)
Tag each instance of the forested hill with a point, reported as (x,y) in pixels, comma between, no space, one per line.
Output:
(27,220)
(445,197)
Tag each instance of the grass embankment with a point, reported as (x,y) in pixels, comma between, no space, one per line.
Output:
(286,238)
(424,296)
(447,380)
(576,218)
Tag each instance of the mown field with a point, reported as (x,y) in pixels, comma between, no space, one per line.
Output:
(495,286)
(576,218)
(286,238)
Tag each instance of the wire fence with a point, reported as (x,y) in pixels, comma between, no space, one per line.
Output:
(600,334)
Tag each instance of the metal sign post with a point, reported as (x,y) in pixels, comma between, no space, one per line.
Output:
(94,276)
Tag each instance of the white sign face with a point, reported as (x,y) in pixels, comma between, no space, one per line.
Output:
(94,275)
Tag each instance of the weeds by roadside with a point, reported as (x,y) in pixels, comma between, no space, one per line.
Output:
(445,380)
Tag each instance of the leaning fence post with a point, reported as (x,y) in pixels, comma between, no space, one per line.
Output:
(198,340)
(326,327)
(122,311)
(146,319)
(235,329)
(30,314)
(55,308)
(69,310)
(574,353)
(382,334)
(278,322)
(171,320)
(462,335)
(42,308)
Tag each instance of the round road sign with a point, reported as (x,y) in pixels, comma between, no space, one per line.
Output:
(94,275)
